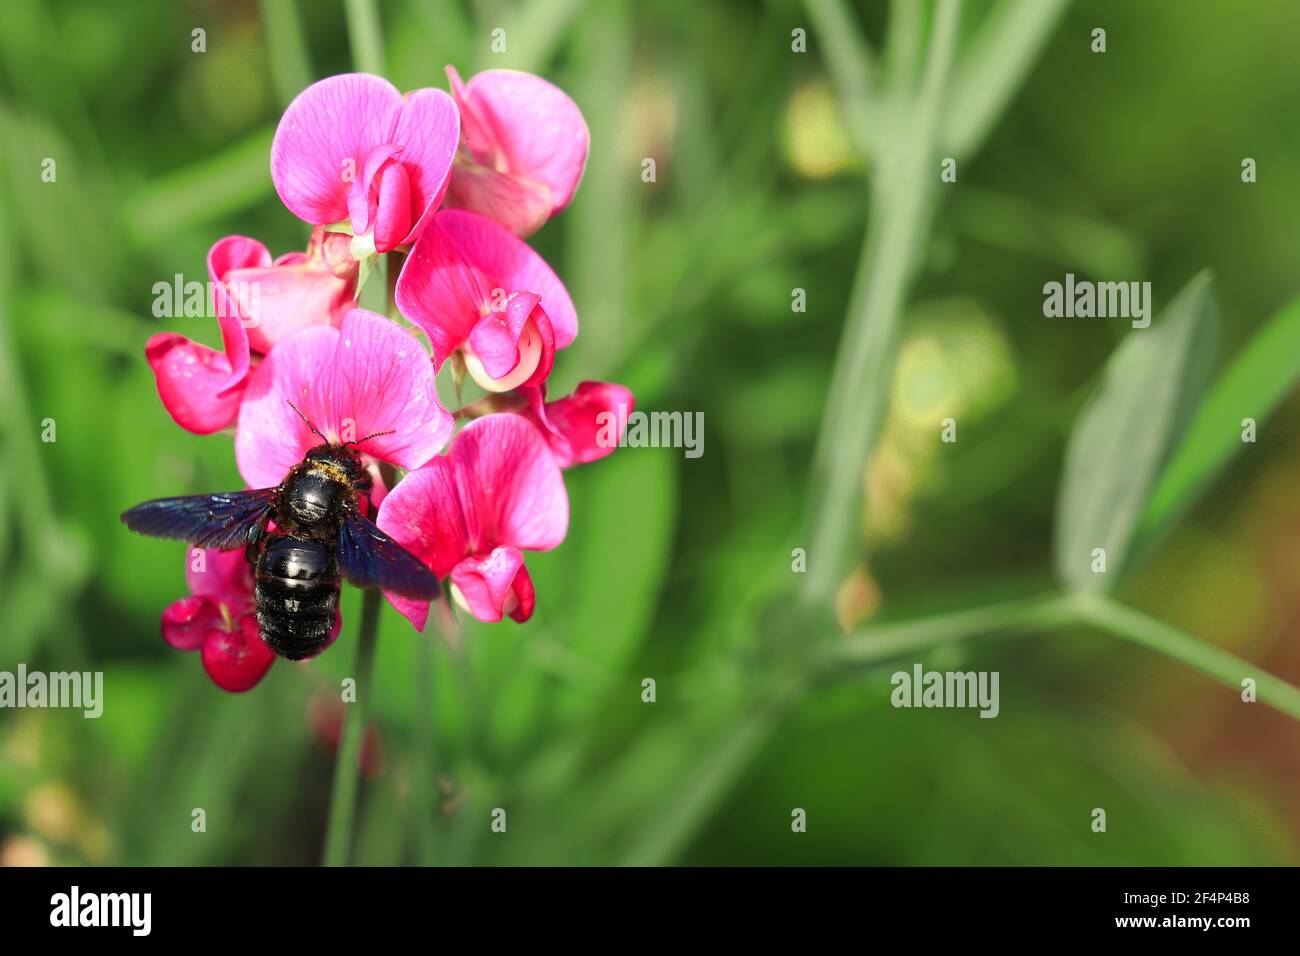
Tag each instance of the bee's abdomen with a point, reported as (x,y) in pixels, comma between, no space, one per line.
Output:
(297,590)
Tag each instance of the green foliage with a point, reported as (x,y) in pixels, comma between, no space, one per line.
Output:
(1152,383)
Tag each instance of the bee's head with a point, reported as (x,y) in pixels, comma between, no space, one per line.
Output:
(343,460)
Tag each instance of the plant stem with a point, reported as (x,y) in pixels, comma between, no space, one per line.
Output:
(424,789)
(883,642)
(290,68)
(1227,668)
(347,768)
(902,187)
(852,67)
(365,35)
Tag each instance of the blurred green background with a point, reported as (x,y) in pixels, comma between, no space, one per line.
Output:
(1122,165)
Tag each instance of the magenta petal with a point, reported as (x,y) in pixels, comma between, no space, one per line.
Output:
(269,438)
(370,375)
(423,514)
(290,297)
(486,583)
(590,420)
(512,265)
(428,130)
(511,490)
(187,622)
(361,189)
(381,380)
(274,299)
(526,130)
(324,138)
(198,387)
(393,213)
(441,291)
(224,576)
(237,661)
(521,206)
(495,339)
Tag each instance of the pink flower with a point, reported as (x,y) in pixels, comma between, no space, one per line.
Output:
(581,427)
(276,298)
(218,620)
(369,381)
(472,512)
(473,286)
(257,302)
(352,147)
(523,148)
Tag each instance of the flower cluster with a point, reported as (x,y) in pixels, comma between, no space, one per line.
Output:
(452,184)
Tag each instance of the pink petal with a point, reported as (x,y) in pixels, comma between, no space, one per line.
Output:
(495,339)
(524,129)
(423,514)
(224,576)
(460,268)
(441,291)
(187,622)
(393,213)
(382,379)
(511,490)
(499,253)
(237,661)
(428,130)
(361,190)
(370,375)
(334,121)
(273,300)
(521,206)
(201,389)
(584,426)
(487,585)
(289,298)
(498,487)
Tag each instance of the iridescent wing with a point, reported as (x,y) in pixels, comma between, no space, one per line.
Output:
(369,558)
(222,521)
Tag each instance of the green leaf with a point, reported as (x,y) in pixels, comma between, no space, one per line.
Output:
(1125,433)
(1252,387)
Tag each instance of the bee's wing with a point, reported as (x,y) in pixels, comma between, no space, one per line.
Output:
(369,558)
(220,521)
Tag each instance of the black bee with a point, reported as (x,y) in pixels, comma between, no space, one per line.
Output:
(320,536)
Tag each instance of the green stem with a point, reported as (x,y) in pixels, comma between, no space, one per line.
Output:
(365,35)
(347,769)
(883,642)
(902,188)
(850,62)
(1227,668)
(424,790)
(290,67)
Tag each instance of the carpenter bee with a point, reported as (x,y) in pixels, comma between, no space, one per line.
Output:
(320,536)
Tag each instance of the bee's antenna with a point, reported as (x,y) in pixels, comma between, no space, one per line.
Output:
(370,436)
(307,421)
